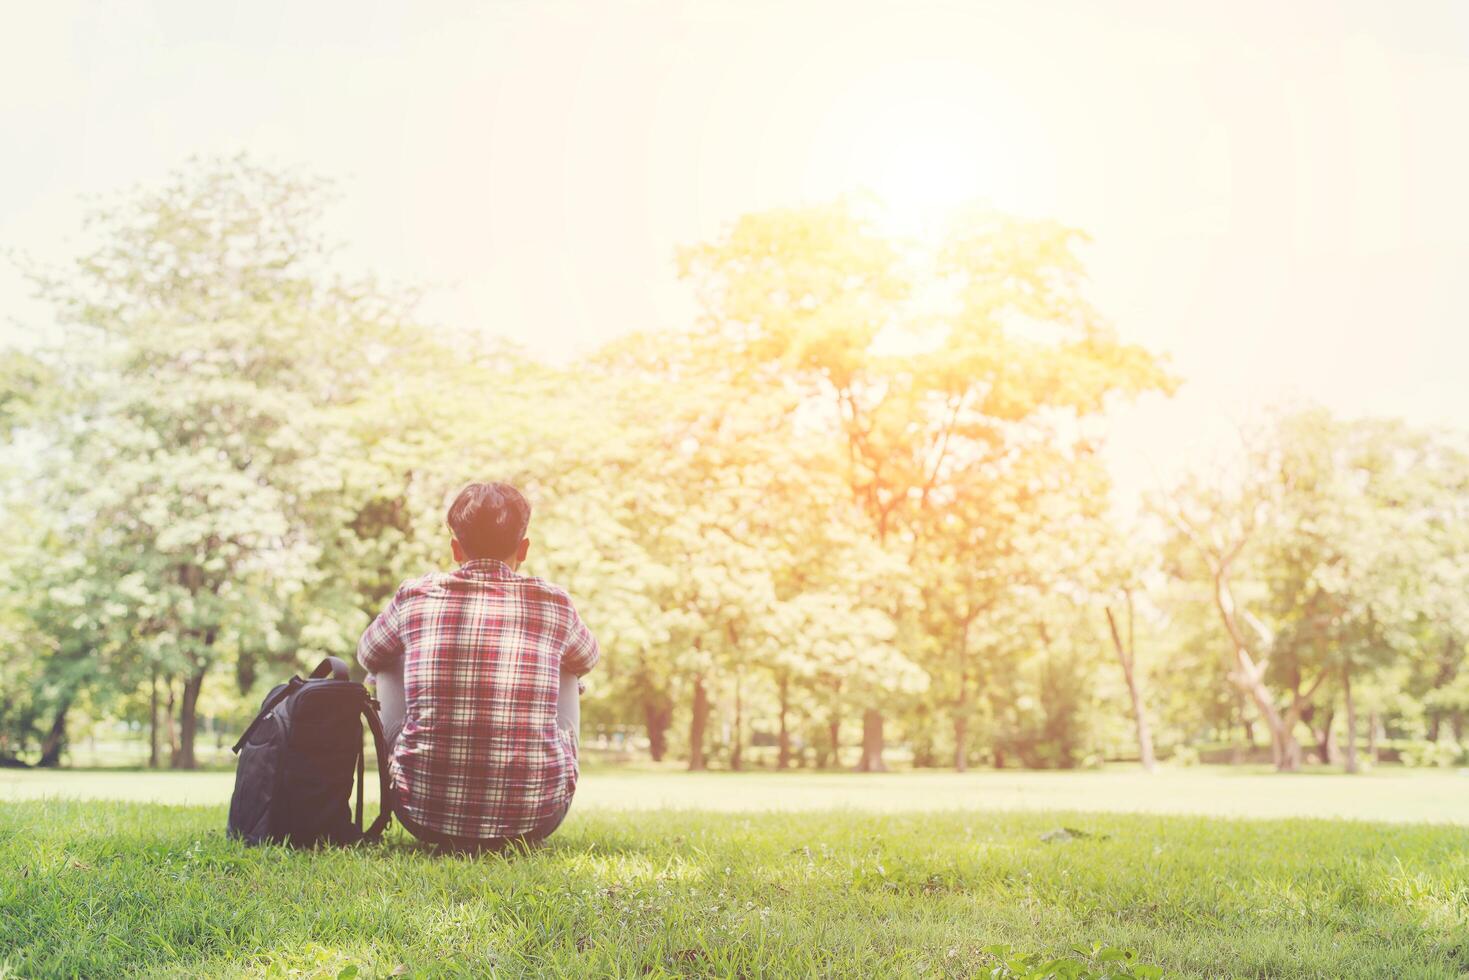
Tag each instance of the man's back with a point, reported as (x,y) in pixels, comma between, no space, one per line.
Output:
(483,649)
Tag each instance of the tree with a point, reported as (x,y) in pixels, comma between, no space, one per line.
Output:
(1120,565)
(208,347)
(1328,522)
(1127,657)
(822,294)
(1357,569)
(1219,521)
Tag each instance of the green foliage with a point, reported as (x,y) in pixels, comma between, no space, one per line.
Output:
(1444,755)
(195,436)
(24,380)
(962,451)
(1097,963)
(865,485)
(1333,555)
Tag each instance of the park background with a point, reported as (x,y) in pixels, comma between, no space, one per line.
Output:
(991,388)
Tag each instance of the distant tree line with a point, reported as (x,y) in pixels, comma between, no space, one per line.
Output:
(855,513)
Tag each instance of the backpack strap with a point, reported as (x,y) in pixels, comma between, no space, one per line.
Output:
(385,783)
(265,709)
(361,771)
(333,667)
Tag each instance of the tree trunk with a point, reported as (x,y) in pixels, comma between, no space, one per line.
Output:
(153,719)
(698,721)
(1374,732)
(736,752)
(1239,749)
(1290,746)
(189,721)
(783,755)
(1250,677)
(961,701)
(657,716)
(55,740)
(1346,688)
(1300,703)
(961,741)
(871,760)
(873,740)
(920,736)
(1330,747)
(1126,655)
(170,720)
(1326,746)
(834,740)
(1448,667)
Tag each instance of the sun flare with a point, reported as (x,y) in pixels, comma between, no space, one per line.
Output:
(924,139)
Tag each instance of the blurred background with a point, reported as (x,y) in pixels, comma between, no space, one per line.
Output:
(923,384)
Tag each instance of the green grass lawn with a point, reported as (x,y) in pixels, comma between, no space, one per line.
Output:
(661,873)
(1387,794)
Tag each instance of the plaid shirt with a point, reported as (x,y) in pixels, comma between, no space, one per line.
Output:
(483,649)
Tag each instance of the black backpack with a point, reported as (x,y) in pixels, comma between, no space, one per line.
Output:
(293,782)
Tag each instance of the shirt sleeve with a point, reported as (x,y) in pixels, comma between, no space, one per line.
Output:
(582,652)
(382,642)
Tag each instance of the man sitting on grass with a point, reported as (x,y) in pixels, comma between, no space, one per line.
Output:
(477,675)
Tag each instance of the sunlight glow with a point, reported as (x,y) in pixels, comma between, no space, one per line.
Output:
(923,162)
(924,138)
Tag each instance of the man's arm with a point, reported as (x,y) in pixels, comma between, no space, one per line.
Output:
(582,652)
(382,644)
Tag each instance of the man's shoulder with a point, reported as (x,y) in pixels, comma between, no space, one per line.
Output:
(529,587)
(422,584)
(542,589)
(552,602)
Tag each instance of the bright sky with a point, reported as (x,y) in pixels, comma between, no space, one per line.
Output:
(1278,192)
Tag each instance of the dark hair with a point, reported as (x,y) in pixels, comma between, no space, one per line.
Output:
(489,519)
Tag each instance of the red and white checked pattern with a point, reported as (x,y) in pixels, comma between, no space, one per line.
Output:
(483,649)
